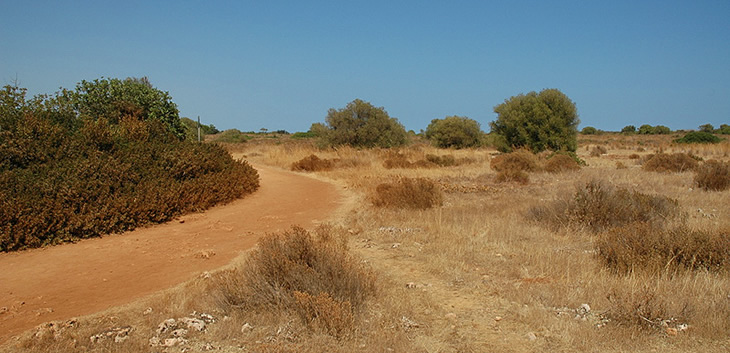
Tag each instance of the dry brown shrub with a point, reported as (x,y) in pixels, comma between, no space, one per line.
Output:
(512,175)
(620,165)
(599,206)
(416,193)
(561,163)
(644,247)
(597,151)
(713,176)
(299,273)
(322,313)
(634,156)
(667,163)
(312,163)
(644,308)
(523,160)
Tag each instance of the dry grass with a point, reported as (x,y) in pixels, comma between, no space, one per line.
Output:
(473,275)
(408,193)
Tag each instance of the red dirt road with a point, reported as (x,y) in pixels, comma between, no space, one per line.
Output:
(71,280)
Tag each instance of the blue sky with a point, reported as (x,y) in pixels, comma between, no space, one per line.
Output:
(283,64)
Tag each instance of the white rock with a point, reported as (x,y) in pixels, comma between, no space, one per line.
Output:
(531,336)
(246,327)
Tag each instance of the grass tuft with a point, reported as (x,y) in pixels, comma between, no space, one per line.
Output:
(312,163)
(419,193)
(713,176)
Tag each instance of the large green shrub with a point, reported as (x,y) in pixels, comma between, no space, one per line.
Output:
(360,124)
(66,175)
(698,137)
(454,132)
(538,121)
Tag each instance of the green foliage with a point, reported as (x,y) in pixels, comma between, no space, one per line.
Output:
(232,136)
(708,128)
(539,121)
(454,132)
(698,137)
(628,130)
(646,129)
(191,129)
(724,129)
(65,177)
(589,130)
(113,99)
(303,135)
(360,124)
(662,130)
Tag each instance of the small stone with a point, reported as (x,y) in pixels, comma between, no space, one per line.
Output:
(450,316)
(246,327)
(498,318)
(584,309)
(181,332)
(531,336)
(411,285)
(682,327)
(147,311)
(166,325)
(194,323)
(395,246)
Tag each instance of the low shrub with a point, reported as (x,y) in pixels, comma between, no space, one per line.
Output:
(312,163)
(642,247)
(560,163)
(597,151)
(698,137)
(599,206)
(667,163)
(512,175)
(713,176)
(312,277)
(522,160)
(417,193)
(634,156)
(231,136)
(443,161)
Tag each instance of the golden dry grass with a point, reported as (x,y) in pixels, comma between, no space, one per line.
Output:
(475,274)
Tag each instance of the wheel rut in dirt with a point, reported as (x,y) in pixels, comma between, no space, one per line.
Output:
(70,280)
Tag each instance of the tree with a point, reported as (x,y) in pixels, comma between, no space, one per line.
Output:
(724,129)
(589,130)
(707,128)
(454,131)
(628,130)
(646,129)
(539,121)
(662,130)
(360,124)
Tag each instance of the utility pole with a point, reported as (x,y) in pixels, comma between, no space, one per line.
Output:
(198,128)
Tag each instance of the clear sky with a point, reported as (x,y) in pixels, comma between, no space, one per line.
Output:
(283,64)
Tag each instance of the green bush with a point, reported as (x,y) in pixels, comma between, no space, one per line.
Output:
(589,130)
(65,177)
(628,130)
(698,137)
(360,124)
(454,132)
(231,136)
(538,121)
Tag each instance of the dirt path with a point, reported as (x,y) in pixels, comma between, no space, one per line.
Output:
(71,280)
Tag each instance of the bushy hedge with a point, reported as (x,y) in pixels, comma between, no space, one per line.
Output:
(65,177)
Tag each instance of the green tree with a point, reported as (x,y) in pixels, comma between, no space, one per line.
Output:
(628,130)
(361,124)
(662,130)
(454,131)
(114,99)
(724,129)
(646,129)
(707,128)
(589,130)
(539,121)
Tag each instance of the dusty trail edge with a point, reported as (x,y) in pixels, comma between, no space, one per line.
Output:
(72,280)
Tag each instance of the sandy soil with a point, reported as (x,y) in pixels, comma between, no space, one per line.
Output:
(71,280)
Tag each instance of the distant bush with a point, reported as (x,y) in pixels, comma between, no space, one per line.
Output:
(561,163)
(643,247)
(65,177)
(360,124)
(628,130)
(417,193)
(646,130)
(713,176)
(312,277)
(454,132)
(724,129)
(303,135)
(667,163)
(522,160)
(698,137)
(231,136)
(312,163)
(597,151)
(589,130)
(662,130)
(599,206)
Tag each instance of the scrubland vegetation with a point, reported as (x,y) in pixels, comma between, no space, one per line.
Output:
(107,157)
(591,257)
